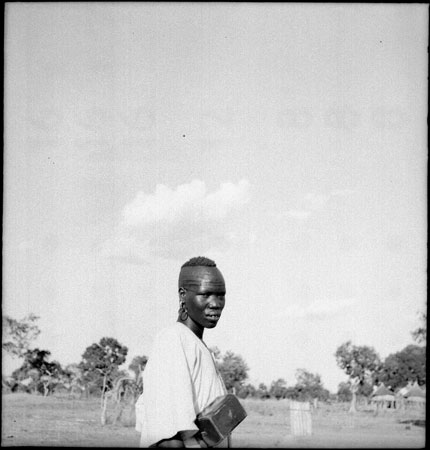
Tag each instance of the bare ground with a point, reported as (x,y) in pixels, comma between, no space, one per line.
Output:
(31,420)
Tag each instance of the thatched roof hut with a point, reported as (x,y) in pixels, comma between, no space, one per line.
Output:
(382,397)
(415,394)
(383,393)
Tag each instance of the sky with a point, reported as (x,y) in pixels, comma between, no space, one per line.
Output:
(285,141)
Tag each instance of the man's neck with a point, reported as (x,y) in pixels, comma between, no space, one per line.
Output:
(193,326)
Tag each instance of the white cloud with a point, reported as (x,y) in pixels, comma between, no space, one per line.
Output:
(316,202)
(125,248)
(299,214)
(343,192)
(313,202)
(318,308)
(177,222)
(229,196)
(187,201)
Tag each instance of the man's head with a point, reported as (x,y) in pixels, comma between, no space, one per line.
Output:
(201,293)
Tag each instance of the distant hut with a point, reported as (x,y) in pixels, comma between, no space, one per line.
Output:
(404,390)
(383,398)
(415,396)
(400,396)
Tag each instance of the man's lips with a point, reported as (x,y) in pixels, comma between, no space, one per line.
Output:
(213,315)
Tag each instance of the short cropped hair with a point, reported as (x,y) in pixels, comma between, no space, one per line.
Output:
(199,261)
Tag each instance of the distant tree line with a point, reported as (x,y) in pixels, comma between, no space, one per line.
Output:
(95,374)
(234,372)
(99,368)
(366,369)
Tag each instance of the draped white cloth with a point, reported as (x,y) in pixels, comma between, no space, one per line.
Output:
(179,381)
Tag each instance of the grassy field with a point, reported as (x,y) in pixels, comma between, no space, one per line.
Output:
(60,421)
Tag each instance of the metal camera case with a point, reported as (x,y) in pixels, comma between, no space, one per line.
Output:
(220,418)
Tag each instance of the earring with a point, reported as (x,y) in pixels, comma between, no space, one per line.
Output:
(183,313)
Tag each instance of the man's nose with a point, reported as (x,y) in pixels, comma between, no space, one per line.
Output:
(215,302)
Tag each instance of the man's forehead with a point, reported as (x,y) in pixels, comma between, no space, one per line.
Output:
(201,276)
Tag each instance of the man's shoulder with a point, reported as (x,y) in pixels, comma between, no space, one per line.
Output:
(169,333)
(174,339)
(176,334)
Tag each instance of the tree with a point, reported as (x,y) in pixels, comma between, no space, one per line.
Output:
(365,389)
(344,393)
(292,393)
(278,389)
(309,386)
(262,391)
(420,334)
(232,368)
(72,378)
(406,365)
(247,390)
(100,363)
(360,363)
(45,375)
(19,334)
(137,366)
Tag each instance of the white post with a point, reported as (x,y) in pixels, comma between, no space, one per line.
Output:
(300,417)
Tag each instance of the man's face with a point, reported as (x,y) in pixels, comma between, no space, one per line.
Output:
(203,292)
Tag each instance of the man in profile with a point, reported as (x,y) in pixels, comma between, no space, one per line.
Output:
(181,378)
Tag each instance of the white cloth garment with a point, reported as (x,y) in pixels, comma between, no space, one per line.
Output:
(179,381)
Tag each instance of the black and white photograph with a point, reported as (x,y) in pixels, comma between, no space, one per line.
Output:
(215,224)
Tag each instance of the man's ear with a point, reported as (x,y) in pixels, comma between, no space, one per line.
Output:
(181,292)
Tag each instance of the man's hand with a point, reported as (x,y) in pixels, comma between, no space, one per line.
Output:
(173,442)
(183,439)
(193,439)
(200,440)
